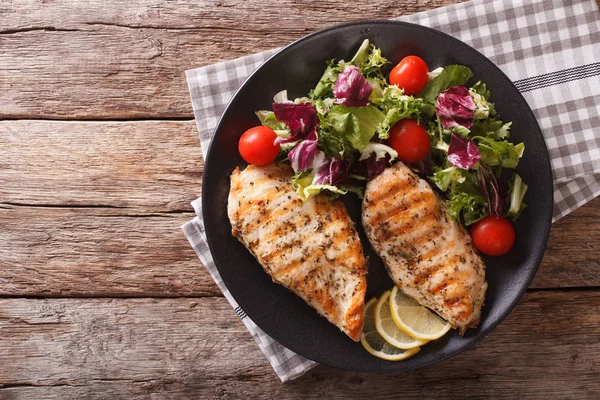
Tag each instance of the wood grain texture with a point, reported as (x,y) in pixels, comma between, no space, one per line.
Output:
(147,165)
(181,348)
(74,252)
(93,209)
(130,180)
(62,252)
(114,59)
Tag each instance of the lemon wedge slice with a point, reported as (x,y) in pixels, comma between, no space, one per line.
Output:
(387,328)
(375,344)
(414,319)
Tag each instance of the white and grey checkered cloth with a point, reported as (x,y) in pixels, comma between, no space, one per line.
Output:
(549,49)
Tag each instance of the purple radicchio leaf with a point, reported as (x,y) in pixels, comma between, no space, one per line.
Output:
(301,118)
(423,168)
(303,155)
(492,190)
(306,156)
(455,107)
(462,153)
(333,173)
(373,166)
(351,88)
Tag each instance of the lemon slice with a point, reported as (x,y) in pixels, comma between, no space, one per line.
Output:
(375,344)
(414,319)
(388,329)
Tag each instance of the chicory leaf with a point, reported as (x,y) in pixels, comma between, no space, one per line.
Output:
(372,166)
(455,107)
(301,119)
(482,107)
(462,153)
(351,88)
(481,89)
(467,206)
(492,190)
(445,177)
(467,201)
(371,66)
(398,106)
(334,172)
(306,156)
(451,75)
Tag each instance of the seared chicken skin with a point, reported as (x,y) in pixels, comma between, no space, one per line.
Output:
(310,247)
(427,253)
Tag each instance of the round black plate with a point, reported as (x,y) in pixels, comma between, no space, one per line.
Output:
(298,68)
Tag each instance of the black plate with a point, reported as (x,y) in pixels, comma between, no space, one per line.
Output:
(298,68)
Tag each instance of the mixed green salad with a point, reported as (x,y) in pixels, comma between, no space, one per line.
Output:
(355,123)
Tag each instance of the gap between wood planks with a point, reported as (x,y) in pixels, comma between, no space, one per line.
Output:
(34,118)
(219,295)
(157,213)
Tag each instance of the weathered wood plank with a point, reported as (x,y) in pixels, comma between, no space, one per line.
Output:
(183,14)
(64,252)
(572,256)
(149,165)
(98,252)
(140,168)
(181,348)
(113,59)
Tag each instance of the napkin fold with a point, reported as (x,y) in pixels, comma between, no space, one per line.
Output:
(549,49)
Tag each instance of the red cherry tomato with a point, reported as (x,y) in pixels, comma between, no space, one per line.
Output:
(493,236)
(410,140)
(256,145)
(410,75)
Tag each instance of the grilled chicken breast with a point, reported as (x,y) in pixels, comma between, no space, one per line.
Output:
(427,253)
(310,247)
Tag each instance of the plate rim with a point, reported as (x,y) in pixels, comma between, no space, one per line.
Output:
(547,218)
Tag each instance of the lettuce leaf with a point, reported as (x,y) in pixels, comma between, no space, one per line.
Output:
(398,106)
(444,178)
(357,124)
(325,85)
(451,75)
(305,185)
(466,201)
(362,53)
(516,191)
(503,153)
(380,150)
(492,128)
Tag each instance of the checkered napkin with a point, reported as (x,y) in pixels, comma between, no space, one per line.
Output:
(549,49)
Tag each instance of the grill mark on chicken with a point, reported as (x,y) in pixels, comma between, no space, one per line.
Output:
(392,190)
(311,247)
(428,254)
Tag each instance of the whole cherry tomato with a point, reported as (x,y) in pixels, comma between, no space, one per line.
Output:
(493,236)
(257,145)
(410,140)
(410,75)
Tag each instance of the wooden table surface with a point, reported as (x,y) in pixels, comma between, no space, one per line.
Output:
(101,295)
